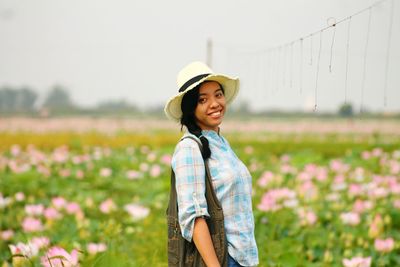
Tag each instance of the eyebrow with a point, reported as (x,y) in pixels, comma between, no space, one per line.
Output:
(219,89)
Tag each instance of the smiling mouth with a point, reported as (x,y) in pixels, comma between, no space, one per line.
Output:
(215,114)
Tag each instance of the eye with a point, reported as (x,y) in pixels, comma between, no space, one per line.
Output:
(202,100)
(219,94)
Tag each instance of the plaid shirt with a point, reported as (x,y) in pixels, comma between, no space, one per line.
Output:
(232,185)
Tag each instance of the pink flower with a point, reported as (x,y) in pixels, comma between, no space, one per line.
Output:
(28,250)
(376,152)
(322,174)
(350,218)
(144,167)
(287,169)
(137,211)
(338,166)
(60,155)
(384,245)
(248,150)
(94,248)
(271,201)
(58,257)
(6,235)
(79,174)
(105,172)
(307,217)
(396,203)
(360,206)
(166,159)
(19,196)
(266,178)
(151,157)
(355,190)
(4,201)
(376,227)
(357,262)
(34,210)
(40,242)
(285,158)
(366,155)
(310,168)
(132,174)
(308,190)
(394,167)
(52,214)
(15,150)
(155,170)
(59,202)
(73,207)
(107,206)
(32,225)
(64,173)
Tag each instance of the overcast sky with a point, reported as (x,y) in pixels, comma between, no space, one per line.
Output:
(103,50)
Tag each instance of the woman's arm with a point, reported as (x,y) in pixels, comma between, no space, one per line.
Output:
(203,242)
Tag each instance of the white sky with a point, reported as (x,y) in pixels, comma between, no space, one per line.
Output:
(102,50)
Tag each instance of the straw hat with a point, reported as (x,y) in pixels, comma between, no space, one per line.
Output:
(192,75)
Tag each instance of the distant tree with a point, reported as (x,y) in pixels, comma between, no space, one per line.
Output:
(8,98)
(58,99)
(346,110)
(17,100)
(111,106)
(26,99)
(242,108)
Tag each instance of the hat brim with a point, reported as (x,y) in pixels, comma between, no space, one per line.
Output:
(230,85)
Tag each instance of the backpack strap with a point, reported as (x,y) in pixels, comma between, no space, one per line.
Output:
(211,197)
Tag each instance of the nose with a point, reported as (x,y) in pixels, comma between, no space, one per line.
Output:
(214,103)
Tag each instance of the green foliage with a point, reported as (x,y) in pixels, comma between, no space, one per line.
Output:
(346,110)
(282,239)
(17,100)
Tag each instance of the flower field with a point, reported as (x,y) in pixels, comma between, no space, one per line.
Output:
(95,199)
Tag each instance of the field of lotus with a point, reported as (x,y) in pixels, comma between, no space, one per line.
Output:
(93,199)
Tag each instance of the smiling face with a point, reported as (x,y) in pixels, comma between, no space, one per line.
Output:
(210,107)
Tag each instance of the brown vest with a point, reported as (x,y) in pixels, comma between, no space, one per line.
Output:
(182,253)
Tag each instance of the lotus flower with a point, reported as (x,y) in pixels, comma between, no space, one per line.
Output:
(32,225)
(107,206)
(357,262)
(58,257)
(137,211)
(350,218)
(6,235)
(384,245)
(94,248)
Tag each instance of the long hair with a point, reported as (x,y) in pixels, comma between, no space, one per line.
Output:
(188,106)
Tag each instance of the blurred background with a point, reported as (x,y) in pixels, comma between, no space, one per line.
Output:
(97,57)
(85,147)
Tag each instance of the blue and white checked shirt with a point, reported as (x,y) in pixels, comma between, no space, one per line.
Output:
(232,184)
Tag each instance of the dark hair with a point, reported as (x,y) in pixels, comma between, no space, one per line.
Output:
(188,119)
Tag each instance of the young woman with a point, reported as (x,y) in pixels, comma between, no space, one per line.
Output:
(200,106)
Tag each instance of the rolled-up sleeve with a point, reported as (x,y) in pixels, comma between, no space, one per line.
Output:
(188,166)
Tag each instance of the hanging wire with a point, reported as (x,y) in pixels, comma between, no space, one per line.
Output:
(365,61)
(316,78)
(301,66)
(311,48)
(347,60)
(291,65)
(332,22)
(284,66)
(278,48)
(387,53)
(278,69)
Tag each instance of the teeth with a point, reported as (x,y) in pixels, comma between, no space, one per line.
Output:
(214,114)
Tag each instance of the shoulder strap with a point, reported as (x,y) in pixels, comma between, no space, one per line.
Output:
(212,200)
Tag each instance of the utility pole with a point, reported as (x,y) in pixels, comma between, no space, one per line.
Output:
(209,52)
